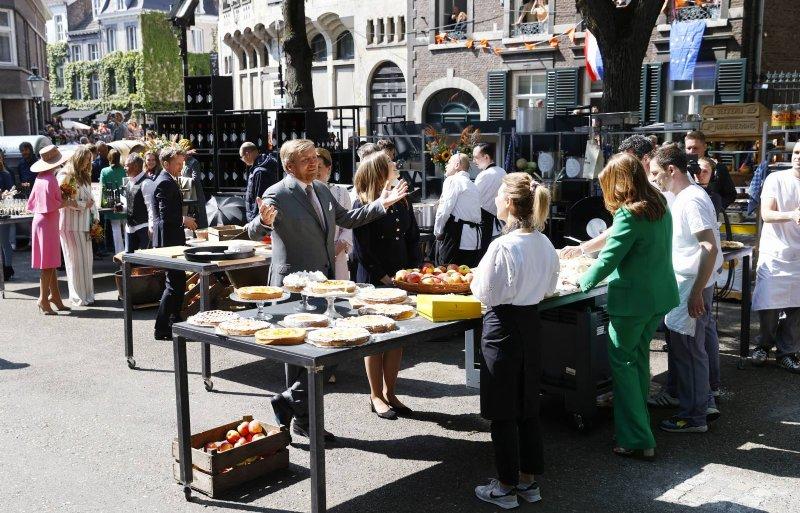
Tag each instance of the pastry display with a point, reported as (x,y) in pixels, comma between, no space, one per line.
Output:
(391,296)
(242,327)
(259,293)
(435,280)
(306,320)
(296,282)
(281,336)
(332,286)
(338,337)
(570,273)
(371,323)
(396,312)
(211,318)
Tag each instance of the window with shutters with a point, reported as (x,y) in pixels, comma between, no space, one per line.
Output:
(687,97)
(529,88)
(562,91)
(650,88)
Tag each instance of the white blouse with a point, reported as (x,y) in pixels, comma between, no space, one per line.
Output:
(518,269)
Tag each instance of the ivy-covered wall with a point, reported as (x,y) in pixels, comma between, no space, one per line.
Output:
(199,64)
(163,78)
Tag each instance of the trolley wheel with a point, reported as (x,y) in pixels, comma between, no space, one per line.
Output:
(665,348)
(187,493)
(741,363)
(131,362)
(577,419)
(209,384)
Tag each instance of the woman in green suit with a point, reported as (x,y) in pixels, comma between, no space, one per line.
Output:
(638,259)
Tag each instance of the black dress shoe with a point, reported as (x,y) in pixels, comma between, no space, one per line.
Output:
(389,414)
(162,336)
(282,410)
(299,430)
(403,411)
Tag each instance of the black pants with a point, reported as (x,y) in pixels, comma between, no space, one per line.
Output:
(517,448)
(297,393)
(171,301)
(470,258)
(140,239)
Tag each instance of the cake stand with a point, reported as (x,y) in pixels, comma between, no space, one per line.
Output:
(331,297)
(303,305)
(261,315)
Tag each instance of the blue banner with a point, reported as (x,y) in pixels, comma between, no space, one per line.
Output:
(685,38)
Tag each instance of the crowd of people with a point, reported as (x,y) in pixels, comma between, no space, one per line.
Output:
(114,128)
(660,256)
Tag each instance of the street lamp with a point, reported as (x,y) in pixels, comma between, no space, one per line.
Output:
(36,87)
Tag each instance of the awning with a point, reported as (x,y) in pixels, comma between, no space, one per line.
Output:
(79,115)
(55,110)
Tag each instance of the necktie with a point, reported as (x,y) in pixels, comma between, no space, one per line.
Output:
(317,208)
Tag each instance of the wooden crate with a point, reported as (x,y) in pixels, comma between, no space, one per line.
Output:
(226,232)
(215,472)
(735,111)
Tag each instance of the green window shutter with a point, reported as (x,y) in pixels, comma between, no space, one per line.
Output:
(497,95)
(731,80)
(562,91)
(650,93)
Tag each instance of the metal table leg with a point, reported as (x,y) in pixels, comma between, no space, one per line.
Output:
(472,374)
(182,408)
(744,337)
(127,312)
(205,349)
(316,433)
(2,274)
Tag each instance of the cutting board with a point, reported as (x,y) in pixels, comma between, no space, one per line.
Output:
(168,252)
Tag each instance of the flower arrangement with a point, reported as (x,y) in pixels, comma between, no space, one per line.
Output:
(96,232)
(68,189)
(439,149)
(470,136)
(159,143)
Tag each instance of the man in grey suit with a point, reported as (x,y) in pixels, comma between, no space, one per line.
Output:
(301,215)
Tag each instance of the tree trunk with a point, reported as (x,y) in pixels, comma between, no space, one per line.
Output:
(299,91)
(623,36)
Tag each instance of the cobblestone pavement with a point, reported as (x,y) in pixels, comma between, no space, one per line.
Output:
(83,433)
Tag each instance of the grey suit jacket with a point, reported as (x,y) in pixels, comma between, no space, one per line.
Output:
(299,241)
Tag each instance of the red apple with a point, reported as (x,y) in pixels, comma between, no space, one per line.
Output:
(468,278)
(243,429)
(240,442)
(248,438)
(232,436)
(259,436)
(427,270)
(255,427)
(437,280)
(442,276)
(401,275)
(452,267)
(414,278)
(273,432)
(224,446)
(210,446)
(428,280)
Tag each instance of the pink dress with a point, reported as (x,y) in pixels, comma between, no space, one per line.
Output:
(44,202)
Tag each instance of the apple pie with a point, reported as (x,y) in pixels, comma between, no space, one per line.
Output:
(259,293)
(338,337)
(306,320)
(281,336)
(396,312)
(371,323)
(242,327)
(390,296)
(332,286)
(211,318)
(296,282)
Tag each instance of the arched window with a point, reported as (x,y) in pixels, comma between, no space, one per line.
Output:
(452,106)
(318,48)
(344,46)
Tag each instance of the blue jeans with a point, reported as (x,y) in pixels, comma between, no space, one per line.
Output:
(689,367)
(5,244)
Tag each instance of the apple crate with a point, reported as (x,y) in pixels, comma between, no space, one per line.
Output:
(226,232)
(210,474)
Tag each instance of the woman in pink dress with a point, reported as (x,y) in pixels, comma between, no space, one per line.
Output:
(45,202)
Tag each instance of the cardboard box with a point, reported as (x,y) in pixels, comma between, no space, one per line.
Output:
(225,232)
(448,307)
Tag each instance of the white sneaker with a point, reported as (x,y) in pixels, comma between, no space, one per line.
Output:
(494,494)
(530,492)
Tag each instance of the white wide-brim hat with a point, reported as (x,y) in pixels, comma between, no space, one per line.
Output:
(49,158)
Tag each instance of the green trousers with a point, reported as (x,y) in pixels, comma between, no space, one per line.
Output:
(629,355)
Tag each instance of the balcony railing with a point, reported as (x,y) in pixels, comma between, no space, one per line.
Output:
(700,11)
(457,30)
(530,29)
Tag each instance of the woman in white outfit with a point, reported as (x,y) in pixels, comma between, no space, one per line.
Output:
(343,239)
(76,219)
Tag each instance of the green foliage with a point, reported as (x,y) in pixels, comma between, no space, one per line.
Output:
(56,55)
(199,64)
(163,78)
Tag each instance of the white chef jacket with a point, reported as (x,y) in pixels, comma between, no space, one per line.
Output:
(692,212)
(778,271)
(488,183)
(518,269)
(460,198)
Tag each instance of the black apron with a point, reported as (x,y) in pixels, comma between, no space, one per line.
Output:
(447,249)
(488,223)
(511,362)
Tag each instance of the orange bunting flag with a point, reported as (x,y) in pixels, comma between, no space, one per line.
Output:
(469,43)
(498,50)
(439,38)
(571,35)
(530,46)
(484,43)
(554,42)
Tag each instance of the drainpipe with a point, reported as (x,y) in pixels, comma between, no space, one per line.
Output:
(759,37)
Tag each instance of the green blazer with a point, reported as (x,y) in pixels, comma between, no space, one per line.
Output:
(638,258)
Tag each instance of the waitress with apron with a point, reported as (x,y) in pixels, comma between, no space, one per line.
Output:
(518,270)
(458,217)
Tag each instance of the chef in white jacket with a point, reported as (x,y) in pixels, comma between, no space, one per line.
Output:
(488,183)
(458,217)
(778,273)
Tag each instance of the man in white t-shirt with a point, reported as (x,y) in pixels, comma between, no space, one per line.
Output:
(778,273)
(488,183)
(696,255)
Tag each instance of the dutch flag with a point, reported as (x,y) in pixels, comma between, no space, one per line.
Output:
(594,61)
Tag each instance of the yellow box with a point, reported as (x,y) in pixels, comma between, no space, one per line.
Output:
(449,307)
